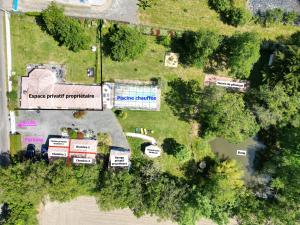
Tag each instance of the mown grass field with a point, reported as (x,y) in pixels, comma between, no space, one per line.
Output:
(15,144)
(196,14)
(30,44)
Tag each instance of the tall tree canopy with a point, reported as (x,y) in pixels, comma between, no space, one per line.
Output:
(275,107)
(219,112)
(243,53)
(123,43)
(66,30)
(196,47)
(285,69)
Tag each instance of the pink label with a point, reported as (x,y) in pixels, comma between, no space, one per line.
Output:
(39,140)
(30,123)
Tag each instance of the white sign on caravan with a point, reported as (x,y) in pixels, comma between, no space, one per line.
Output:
(64,142)
(57,154)
(82,160)
(119,160)
(152,151)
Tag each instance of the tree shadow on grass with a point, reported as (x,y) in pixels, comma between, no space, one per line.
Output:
(171,146)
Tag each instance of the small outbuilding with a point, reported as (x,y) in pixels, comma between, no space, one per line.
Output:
(119,157)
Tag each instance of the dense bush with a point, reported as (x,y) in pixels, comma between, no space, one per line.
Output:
(243,53)
(291,18)
(237,16)
(179,151)
(79,114)
(277,16)
(123,43)
(67,31)
(220,5)
(196,47)
(274,16)
(164,40)
(121,114)
(229,13)
(219,112)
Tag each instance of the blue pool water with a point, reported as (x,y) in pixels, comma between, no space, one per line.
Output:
(15,5)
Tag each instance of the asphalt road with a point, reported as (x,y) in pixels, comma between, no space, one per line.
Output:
(4,123)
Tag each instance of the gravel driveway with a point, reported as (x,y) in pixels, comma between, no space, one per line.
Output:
(84,211)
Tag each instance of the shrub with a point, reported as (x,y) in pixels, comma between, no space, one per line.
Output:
(183,154)
(164,40)
(237,16)
(65,30)
(144,4)
(121,114)
(80,135)
(273,16)
(196,47)
(123,43)
(291,17)
(295,39)
(244,52)
(79,114)
(104,141)
(73,134)
(220,5)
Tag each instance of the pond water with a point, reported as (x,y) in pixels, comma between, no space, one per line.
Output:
(263,5)
(225,149)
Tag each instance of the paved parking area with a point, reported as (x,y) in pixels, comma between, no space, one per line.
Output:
(49,122)
(117,10)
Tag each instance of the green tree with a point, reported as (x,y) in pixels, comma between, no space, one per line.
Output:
(291,17)
(181,152)
(66,30)
(120,190)
(273,106)
(295,39)
(244,52)
(237,16)
(123,43)
(196,47)
(274,16)
(285,69)
(225,115)
(220,5)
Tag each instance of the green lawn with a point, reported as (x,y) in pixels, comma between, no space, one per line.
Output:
(32,45)
(15,144)
(196,14)
(149,65)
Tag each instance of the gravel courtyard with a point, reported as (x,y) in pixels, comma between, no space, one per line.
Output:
(263,5)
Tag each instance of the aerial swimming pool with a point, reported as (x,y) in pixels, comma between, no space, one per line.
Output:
(133,96)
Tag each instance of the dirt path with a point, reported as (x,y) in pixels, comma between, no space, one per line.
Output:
(84,211)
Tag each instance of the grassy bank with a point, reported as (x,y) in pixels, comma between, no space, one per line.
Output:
(196,14)
(15,143)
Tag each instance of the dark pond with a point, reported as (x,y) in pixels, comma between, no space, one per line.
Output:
(224,149)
